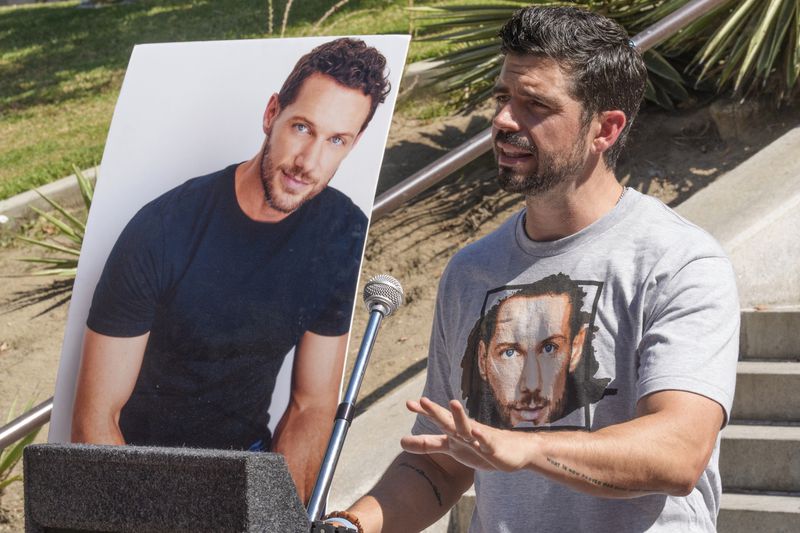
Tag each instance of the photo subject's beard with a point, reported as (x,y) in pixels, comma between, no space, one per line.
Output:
(550,170)
(557,408)
(497,414)
(271,195)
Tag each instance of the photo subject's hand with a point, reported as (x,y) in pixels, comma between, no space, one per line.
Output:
(467,441)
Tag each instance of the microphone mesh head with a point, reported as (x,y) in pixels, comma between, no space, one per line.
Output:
(385,291)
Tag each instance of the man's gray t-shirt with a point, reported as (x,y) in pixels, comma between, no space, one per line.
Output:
(571,334)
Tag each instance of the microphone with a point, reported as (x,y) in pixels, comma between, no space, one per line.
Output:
(383,294)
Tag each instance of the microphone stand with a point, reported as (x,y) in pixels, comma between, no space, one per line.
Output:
(383,295)
(344,415)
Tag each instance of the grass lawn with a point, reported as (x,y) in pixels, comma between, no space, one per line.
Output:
(61,67)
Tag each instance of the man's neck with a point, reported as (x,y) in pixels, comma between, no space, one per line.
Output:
(250,192)
(571,206)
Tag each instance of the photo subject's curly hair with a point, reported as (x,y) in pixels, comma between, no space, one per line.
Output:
(604,67)
(348,61)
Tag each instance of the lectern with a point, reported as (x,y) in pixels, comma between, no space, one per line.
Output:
(72,488)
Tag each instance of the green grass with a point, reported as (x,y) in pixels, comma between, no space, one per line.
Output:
(61,67)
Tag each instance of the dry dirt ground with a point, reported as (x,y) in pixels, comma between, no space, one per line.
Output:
(670,155)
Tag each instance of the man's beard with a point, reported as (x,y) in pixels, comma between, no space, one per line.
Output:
(273,197)
(550,170)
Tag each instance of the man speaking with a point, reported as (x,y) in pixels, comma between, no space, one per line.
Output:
(211,284)
(664,337)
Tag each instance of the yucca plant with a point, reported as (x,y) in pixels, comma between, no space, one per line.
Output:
(11,455)
(68,238)
(66,241)
(757,41)
(468,72)
(741,45)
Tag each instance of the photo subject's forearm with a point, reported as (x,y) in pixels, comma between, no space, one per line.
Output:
(106,378)
(96,430)
(301,437)
(412,494)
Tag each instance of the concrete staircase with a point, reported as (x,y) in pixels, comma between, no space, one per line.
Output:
(754,212)
(760,448)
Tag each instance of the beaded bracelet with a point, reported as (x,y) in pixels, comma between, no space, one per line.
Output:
(349,517)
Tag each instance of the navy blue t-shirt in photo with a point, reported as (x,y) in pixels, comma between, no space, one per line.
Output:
(224,298)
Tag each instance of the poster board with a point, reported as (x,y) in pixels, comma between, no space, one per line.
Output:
(186,110)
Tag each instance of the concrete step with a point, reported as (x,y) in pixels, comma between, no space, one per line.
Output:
(771,334)
(760,458)
(767,391)
(746,513)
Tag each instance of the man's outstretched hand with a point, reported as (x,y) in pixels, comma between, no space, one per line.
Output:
(467,441)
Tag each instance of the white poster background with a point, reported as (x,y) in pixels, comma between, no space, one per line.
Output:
(185,110)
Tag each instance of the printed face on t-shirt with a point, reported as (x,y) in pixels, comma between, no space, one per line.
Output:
(308,139)
(528,358)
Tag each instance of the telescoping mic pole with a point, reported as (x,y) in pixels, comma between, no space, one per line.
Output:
(382,296)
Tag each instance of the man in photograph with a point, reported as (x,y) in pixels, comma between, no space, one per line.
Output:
(665,326)
(211,284)
(527,358)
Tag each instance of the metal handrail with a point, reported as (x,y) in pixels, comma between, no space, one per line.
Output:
(673,23)
(24,424)
(432,174)
(417,182)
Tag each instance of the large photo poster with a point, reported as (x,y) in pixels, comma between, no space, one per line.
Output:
(218,274)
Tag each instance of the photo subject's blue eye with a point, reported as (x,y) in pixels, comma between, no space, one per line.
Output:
(510,352)
(549,348)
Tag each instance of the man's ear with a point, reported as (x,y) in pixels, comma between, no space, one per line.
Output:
(577,348)
(482,359)
(273,110)
(611,125)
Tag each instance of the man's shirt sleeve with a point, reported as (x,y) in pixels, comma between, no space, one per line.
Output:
(691,340)
(126,296)
(334,320)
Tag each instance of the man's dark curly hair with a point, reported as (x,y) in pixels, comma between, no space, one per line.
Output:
(348,61)
(606,70)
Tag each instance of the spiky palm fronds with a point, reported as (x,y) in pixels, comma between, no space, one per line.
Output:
(469,71)
(70,228)
(757,41)
(740,45)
